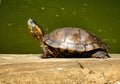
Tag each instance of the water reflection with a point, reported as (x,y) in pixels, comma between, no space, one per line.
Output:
(42,8)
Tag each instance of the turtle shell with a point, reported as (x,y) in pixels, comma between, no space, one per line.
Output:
(74,39)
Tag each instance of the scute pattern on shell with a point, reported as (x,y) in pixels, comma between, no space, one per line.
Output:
(75,39)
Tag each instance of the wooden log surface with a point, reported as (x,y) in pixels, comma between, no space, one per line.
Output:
(31,69)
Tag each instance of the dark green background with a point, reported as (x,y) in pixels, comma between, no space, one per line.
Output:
(101,17)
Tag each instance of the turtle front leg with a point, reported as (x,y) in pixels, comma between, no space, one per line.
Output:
(46,52)
(100,54)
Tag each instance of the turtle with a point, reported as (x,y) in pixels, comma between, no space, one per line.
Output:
(68,42)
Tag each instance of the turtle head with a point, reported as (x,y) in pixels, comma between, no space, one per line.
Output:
(35,30)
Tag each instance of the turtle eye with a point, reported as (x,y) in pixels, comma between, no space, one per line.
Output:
(31,22)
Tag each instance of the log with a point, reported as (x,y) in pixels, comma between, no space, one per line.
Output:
(31,69)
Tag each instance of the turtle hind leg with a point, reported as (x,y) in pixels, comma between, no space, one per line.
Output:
(100,54)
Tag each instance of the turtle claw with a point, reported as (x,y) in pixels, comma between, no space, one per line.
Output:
(44,56)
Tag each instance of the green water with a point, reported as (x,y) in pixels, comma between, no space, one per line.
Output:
(101,17)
